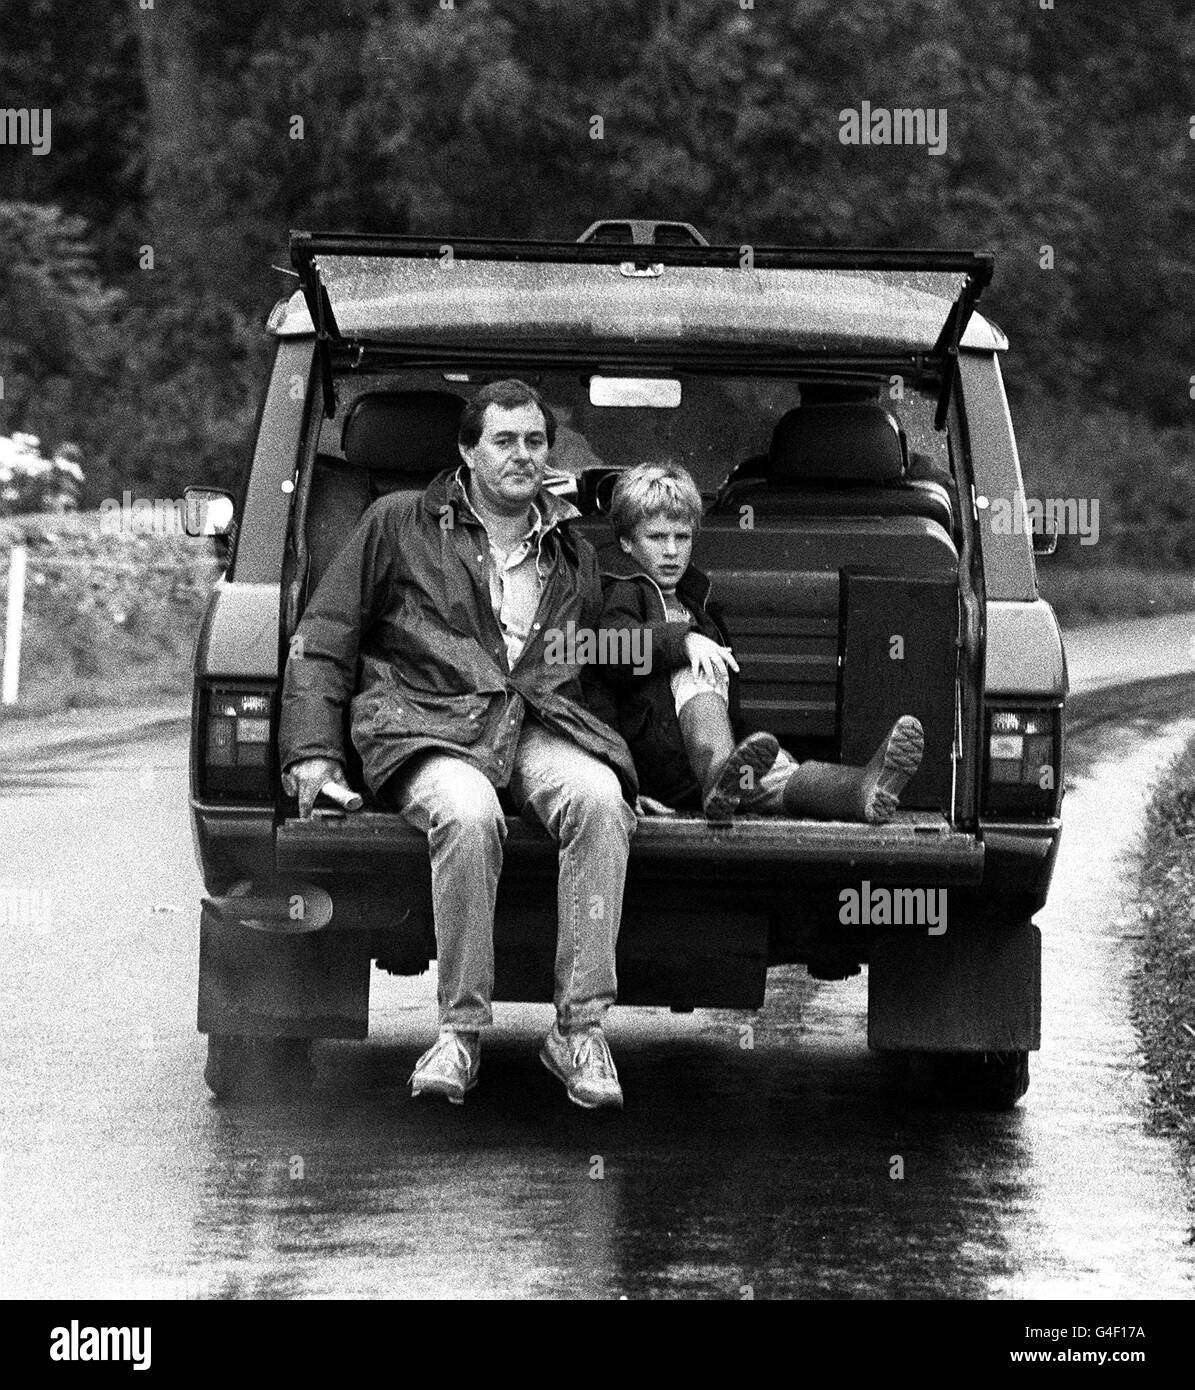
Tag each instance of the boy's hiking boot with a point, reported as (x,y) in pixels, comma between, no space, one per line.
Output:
(582,1060)
(828,791)
(448,1068)
(756,754)
(718,763)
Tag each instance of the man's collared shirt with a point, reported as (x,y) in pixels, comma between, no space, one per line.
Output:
(516,582)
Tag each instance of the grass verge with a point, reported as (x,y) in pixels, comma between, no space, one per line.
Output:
(1164,982)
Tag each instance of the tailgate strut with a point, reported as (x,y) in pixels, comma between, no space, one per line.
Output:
(946,348)
(320,308)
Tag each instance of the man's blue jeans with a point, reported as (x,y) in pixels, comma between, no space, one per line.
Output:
(579,801)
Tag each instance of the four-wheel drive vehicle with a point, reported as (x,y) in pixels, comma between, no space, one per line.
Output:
(843,413)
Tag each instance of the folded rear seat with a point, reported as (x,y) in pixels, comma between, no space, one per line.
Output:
(839,554)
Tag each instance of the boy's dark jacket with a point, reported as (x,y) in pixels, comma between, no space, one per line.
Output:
(641,705)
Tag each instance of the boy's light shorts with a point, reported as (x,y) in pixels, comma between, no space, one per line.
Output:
(685,685)
(766,799)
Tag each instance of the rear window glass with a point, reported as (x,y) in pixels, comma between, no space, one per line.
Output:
(385,299)
(721,423)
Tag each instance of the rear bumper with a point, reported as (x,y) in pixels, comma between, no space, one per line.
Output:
(1020,859)
(708,908)
(1006,858)
(232,843)
(916,847)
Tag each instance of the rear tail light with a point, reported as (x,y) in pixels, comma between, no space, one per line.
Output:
(1023,761)
(236,741)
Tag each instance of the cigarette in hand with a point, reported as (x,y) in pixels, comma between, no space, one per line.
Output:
(343,796)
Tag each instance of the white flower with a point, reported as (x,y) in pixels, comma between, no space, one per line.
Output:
(21,462)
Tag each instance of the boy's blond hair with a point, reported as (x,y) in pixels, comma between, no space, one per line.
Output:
(652,489)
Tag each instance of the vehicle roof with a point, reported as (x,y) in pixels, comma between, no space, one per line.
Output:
(424,301)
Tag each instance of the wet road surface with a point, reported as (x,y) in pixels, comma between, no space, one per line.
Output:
(764,1170)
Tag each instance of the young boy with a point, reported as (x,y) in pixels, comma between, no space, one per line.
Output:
(675,714)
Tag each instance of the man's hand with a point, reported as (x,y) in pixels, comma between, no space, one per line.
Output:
(305,778)
(707,658)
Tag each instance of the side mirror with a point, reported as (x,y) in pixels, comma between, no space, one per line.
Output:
(211,511)
(1045,541)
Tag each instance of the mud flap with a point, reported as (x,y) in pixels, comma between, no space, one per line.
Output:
(260,984)
(977,988)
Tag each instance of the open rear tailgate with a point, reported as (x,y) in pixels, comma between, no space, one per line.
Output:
(367,290)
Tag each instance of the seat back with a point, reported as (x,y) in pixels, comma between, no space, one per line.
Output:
(784,628)
(405,437)
(392,441)
(835,460)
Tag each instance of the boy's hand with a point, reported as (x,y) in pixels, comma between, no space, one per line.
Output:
(707,658)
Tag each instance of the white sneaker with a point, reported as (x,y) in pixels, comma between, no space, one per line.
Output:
(449,1067)
(583,1062)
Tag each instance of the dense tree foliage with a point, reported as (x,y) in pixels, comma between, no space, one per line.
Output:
(1069,153)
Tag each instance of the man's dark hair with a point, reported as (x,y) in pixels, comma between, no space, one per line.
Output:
(509,395)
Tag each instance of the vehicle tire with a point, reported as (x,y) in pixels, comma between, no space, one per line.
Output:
(240,1068)
(995,1080)
(970,1080)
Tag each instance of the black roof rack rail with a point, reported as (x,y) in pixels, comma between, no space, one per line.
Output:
(304,246)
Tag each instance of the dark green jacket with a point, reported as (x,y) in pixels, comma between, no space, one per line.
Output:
(402,626)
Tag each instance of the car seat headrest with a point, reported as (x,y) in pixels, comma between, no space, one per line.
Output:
(411,432)
(839,444)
